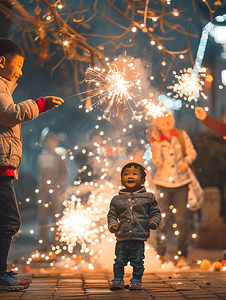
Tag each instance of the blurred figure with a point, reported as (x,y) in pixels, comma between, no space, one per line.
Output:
(171,180)
(210,122)
(52,173)
(218,127)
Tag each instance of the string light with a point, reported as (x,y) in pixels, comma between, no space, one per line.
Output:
(202,47)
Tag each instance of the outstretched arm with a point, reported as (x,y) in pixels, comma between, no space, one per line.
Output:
(210,122)
(12,114)
(215,125)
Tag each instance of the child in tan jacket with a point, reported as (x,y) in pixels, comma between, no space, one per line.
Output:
(11,117)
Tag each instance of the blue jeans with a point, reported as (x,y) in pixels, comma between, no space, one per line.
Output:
(9,218)
(129,251)
(178,198)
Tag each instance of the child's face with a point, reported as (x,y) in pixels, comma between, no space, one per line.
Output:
(11,67)
(50,144)
(132,179)
(165,123)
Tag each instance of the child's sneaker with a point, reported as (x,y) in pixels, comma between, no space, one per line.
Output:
(135,285)
(9,282)
(116,285)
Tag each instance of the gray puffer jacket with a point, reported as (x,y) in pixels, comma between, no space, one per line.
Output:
(132,212)
(11,117)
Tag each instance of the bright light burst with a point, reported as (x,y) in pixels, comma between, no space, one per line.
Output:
(151,108)
(155,109)
(188,85)
(83,225)
(116,86)
(74,225)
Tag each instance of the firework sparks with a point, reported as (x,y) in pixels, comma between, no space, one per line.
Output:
(152,108)
(156,110)
(188,85)
(75,224)
(116,86)
(80,225)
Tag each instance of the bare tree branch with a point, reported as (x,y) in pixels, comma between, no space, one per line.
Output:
(81,47)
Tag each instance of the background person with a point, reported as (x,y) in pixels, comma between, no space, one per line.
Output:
(52,172)
(171,180)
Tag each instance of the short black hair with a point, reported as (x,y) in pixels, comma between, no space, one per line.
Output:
(7,46)
(137,166)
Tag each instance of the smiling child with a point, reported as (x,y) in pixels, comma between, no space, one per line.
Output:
(133,212)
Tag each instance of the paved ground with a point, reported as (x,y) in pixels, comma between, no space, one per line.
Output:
(66,284)
(192,284)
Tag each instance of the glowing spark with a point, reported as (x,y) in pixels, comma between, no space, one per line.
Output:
(154,109)
(115,87)
(74,224)
(188,85)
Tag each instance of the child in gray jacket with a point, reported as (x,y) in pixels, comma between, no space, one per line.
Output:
(133,212)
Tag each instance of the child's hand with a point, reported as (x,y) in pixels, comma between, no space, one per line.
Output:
(52,101)
(113,228)
(153,225)
(148,134)
(186,160)
(184,167)
(200,113)
(154,132)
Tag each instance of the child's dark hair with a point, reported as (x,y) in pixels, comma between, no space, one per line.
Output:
(137,166)
(9,47)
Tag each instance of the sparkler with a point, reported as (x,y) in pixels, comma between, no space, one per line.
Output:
(156,109)
(151,108)
(86,226)
(188,85)
(80,225)
(116,86)
(74,225)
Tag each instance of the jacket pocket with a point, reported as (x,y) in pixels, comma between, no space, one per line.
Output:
(141,227)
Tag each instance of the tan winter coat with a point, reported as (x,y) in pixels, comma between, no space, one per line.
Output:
(11,117)
(168,157)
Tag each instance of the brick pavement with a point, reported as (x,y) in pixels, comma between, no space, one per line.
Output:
(90,285)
